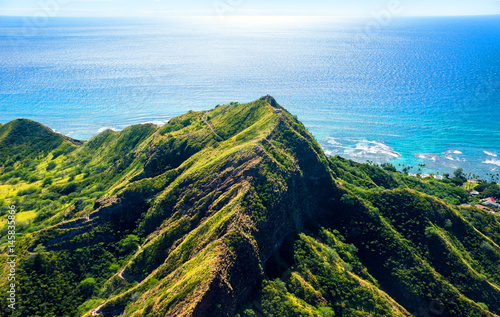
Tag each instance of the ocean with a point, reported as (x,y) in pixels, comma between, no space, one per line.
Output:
(416,91)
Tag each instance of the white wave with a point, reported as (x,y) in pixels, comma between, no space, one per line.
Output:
(333,141)
(367,148)
(457,152)
(450,157)
(492,161)
(490,153)
(155,122)
(360,150)
(106,128)
(427,156)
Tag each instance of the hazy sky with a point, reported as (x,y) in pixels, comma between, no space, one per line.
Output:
(245,7)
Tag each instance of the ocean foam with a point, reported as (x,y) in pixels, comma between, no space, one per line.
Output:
(106,128)
(155,122)
(490,153)
(359,150)
(448,155)
(493,161)
(372,149)
(333,141)
(427,156)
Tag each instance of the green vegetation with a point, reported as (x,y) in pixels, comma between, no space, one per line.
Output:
(248,219)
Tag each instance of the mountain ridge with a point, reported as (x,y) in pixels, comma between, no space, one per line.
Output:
(238,211)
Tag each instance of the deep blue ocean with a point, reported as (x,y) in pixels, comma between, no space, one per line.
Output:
(420,90)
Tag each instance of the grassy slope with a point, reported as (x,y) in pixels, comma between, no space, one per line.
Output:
(235,225)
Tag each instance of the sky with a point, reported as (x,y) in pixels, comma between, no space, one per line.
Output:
(166,8)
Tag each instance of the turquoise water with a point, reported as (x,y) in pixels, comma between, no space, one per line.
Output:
(420,90)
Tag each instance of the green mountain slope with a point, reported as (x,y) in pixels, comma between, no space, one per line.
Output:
(22,139)
(236,211)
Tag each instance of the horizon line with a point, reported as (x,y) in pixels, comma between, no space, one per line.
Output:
(252,15)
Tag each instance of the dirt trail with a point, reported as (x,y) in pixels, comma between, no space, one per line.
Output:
(204,119)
